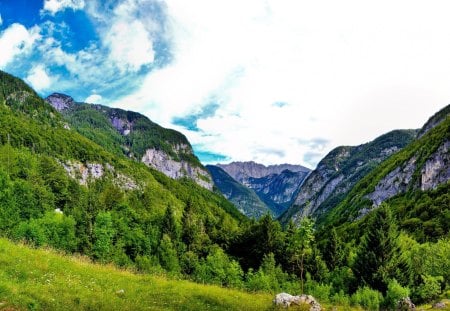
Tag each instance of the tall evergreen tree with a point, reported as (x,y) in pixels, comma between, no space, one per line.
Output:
(378,255)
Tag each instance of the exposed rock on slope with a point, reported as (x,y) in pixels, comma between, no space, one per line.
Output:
(339,171)
(132,134)
(244,198)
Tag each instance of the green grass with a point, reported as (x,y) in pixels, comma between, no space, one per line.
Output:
(37,279)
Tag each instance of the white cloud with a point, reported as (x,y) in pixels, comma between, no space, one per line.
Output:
(93,99)
(54,6)
(1,20)
(16,40)
(38,78)
(129,44)
(347,71)
(127,32)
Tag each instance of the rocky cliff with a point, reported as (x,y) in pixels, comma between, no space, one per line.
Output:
(339,171)
(135,136)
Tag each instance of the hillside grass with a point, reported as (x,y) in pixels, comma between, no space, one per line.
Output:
(38,279)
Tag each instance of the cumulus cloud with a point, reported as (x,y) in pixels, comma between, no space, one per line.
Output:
(1,20)
(54,6)
(287,71)
(38,78)
(128,31)
(16,40)
(129,44)
(93,99)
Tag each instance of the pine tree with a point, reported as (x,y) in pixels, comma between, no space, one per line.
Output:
(377,257)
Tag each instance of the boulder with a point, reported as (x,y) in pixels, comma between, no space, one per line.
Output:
(286,300)
(405,304)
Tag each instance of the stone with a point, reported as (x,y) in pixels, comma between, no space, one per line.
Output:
(286,300)
(405,304)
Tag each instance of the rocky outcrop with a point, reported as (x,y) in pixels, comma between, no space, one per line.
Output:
(286,300)
(437,168)
(121,125)
(84,173)
(405,304)
(394,183)
(60,101)
(164,163)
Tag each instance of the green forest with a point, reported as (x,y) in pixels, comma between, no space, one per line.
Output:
(177,228)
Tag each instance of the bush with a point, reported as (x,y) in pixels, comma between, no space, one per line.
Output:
(367,298)
(319,291)
(341,299)
(430,288)
(394,293)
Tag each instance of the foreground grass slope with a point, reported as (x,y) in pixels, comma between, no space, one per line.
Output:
(44,280)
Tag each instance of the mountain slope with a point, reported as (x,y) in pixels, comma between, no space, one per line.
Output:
(422,166)
(244,198)
(339,171)
(276,185)
(61,189)
(134,135)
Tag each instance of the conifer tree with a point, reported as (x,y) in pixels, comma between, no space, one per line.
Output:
(378,255)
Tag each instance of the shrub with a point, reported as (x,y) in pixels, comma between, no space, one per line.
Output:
(394,293)
(367,298)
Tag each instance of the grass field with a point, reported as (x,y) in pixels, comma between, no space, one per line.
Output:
(40,279)
(33,279)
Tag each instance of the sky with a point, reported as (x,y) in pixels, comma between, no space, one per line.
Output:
(272,81)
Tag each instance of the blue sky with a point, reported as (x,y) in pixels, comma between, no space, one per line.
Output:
(264,80)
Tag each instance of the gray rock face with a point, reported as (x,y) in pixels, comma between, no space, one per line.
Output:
(122,126)
(84,173)
(162,162)
(437,168)
(60,101)
(394,183)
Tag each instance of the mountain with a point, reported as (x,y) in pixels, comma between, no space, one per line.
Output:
(414,181)
(134,135)
(61,189)
(339,171)
(242,171)
(244,198)
(275,185)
